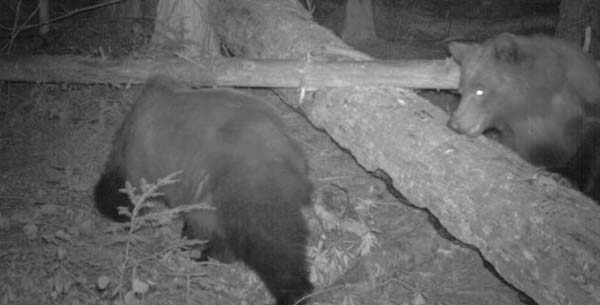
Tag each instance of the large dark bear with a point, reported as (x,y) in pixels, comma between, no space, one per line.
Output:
(543,96)
(235,153)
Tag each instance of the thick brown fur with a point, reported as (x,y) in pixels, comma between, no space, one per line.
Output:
(542,94)
(234,152)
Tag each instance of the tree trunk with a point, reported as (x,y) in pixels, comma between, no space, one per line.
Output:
(359,24)
(183,23)
(542,238)
(575,17)
(44,16)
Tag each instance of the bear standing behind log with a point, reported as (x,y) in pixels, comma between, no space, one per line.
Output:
(234,152)
(543,96)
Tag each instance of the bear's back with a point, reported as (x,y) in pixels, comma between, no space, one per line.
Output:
(211,132)
(580,70)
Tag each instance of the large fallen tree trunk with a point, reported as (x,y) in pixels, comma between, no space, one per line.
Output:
(544,239)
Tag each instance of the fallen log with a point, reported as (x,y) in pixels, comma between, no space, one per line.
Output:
(307,74)
(234,72)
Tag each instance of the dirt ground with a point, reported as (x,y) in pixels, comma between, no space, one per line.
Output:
(367,246)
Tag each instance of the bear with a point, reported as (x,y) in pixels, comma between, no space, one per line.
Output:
(233,151)
(541,94)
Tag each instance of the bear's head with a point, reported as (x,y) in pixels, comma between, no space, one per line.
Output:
(537,91)
(503,81)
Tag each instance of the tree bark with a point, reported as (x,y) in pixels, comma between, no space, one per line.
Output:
(309,75)
(544,239)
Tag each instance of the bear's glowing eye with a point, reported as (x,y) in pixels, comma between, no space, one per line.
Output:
(479,92)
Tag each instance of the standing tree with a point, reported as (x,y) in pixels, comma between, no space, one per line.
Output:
(575,17)
(183,23)
(359,24)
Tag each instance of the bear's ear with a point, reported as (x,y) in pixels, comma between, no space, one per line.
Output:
(460,50)
(506,48)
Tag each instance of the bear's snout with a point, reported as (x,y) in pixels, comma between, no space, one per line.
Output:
(460,127)
(453,124)
(464,123)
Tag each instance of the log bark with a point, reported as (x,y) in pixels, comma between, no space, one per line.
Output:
(543,238)
(309,75)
